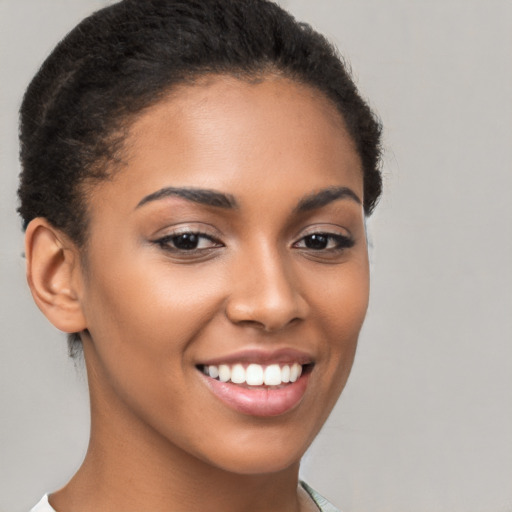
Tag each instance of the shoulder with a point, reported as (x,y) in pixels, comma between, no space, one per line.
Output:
(43,505)
(321,502)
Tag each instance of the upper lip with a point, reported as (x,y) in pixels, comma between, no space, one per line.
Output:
(259,356)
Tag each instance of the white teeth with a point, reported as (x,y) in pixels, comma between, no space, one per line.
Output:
(213,371)
(255,374)
(295,372)
(272,375)
(238,374)
(224,372)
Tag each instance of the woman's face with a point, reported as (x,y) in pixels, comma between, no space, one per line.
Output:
(232,241)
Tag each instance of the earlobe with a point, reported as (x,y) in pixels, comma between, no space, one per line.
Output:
(53,275)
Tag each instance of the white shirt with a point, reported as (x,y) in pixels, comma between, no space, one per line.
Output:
(43,506)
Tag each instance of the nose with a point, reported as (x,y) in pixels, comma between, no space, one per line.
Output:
(265,293)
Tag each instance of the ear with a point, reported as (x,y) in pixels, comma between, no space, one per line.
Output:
(54,275)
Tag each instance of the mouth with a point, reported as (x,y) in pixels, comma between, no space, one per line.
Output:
(256,375)
(255,389)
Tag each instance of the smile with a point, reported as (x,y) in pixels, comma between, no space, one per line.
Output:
(255,374)
(254,389)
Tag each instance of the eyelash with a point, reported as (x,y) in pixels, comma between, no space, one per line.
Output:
(341,242)
(166,241)
(337,241)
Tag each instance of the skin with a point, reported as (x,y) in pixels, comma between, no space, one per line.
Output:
(153,313)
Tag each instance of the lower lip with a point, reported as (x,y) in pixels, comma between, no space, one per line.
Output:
(259,401)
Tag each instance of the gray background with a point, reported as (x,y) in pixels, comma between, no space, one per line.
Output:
(425,423)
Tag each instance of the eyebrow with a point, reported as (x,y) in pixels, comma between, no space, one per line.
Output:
(326,196)
(197,195)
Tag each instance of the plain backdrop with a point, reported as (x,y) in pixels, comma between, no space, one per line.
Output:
(425,423)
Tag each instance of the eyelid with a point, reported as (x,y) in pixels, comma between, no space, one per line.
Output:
(345,241)
(164,239)
(200,234)
(336,234)
(201,228)
(325,228)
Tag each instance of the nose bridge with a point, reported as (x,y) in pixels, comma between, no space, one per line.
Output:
(265,290)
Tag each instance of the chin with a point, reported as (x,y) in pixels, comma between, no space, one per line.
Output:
(248,463)
(262,450)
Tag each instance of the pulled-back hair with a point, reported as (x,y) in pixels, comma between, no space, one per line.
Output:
(126,57)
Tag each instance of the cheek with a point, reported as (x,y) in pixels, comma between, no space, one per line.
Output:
(343,298)
(340,309)
(143,320)
(143,317)
(150,301)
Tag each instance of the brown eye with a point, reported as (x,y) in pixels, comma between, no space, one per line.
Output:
(187,242)
(316,242)
(324,241)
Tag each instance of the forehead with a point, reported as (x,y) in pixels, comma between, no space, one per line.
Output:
(233,135)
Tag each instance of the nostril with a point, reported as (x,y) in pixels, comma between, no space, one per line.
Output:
(266,315)
(266,325)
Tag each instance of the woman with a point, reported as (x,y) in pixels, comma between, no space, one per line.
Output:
(196,177)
